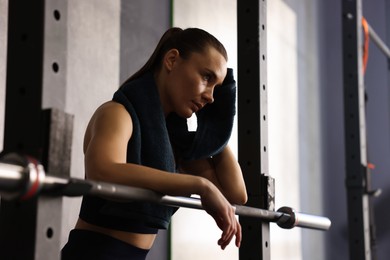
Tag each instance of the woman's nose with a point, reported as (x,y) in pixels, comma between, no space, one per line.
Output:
(208,95)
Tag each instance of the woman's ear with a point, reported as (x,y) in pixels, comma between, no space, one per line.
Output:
(170,58)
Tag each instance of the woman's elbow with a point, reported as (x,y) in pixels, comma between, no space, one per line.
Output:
(244,198)
(239,198)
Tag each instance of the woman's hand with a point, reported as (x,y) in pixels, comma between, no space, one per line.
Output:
(215,204)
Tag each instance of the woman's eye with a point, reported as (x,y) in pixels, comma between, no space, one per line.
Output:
(206,77)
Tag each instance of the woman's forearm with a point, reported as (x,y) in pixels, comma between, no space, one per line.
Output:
(229,175)
(148,178)
(224,171)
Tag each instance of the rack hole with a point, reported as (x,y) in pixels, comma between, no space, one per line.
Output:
(57,15)
(49,232)
(55,67)
(349,16)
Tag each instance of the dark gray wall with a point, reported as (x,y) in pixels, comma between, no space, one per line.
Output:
(142,24)
(333,135)
(377,88)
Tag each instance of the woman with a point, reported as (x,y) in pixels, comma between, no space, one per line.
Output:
(140,139)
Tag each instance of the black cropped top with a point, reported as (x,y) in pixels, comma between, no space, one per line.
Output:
(148,146)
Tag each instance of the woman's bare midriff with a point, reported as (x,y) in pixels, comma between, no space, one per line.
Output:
(144,241)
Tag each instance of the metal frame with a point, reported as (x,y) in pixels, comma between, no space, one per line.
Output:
(362,230)
(57,146)
(33,28)
(379,42)
(22,110)
(253,129)
(35,62)
(357,175)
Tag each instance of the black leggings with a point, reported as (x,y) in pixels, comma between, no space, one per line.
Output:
(84,244)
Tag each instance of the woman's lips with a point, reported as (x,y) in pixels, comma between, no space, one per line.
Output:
(198,106)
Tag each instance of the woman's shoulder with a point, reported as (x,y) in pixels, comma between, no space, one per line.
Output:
(109,113)
(109,117)
(110,108)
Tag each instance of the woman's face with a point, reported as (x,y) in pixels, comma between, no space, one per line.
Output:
(190,82)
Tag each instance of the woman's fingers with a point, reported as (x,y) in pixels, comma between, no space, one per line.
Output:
(215,204)
(230,228)
(238,235)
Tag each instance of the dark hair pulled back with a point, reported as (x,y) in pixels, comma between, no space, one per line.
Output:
(185,41)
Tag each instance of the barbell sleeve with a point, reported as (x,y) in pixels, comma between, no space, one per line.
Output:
(303,220)
(21,182)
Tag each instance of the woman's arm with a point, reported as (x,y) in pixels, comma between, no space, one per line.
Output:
(105,148)
(224,171)
(105,156)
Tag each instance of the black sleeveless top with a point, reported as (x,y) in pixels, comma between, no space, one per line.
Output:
(148,146)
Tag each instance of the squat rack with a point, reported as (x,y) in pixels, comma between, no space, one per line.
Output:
(362,237)
(253,130)
(33,53)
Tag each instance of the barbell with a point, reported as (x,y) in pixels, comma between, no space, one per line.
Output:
(24,177)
